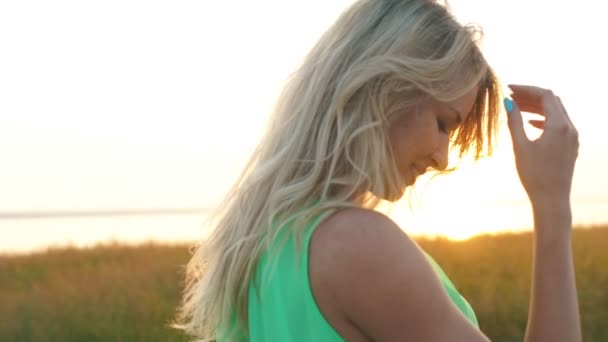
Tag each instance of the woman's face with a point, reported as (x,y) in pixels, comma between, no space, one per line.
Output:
(420,139)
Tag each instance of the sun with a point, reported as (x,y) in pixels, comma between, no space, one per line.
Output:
(480,197)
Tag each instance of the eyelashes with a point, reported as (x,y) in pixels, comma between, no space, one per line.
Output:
(443,127)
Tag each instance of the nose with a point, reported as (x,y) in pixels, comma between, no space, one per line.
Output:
(440,155)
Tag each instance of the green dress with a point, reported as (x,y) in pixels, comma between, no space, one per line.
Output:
(282,307)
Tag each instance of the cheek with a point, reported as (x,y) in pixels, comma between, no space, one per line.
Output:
(414,138)
(419,145)
(404,147)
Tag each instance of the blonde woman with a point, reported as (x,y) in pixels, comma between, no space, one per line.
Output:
(299,254)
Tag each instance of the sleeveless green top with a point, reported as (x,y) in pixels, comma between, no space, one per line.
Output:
(281,303)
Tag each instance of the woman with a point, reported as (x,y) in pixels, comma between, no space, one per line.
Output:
(298,254)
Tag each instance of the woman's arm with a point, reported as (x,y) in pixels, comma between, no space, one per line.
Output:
(365,271)
(545,167)
(554,312)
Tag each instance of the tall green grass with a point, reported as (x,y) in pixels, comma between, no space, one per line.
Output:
(122,293)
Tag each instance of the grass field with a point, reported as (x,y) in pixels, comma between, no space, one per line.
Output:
(120,293)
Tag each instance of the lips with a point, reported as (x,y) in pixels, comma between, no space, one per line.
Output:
(418,170)
(415,172)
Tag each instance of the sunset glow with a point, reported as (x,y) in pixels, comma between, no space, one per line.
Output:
(158,105)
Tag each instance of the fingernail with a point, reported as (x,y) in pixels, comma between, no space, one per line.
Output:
(508,105)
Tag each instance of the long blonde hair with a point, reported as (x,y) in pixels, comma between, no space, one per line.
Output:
(327,141)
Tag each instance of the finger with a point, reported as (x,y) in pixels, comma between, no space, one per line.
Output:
(544,98)
(565,111)
(538,109)
(527,105)
(516,126)
(530,107)
(540,124)
(573,129)
(527,91)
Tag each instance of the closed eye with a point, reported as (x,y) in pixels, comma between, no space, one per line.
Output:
(443,127)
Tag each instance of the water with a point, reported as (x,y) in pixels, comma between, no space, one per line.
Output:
(26,235)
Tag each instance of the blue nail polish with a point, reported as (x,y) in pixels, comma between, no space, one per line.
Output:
(508,105)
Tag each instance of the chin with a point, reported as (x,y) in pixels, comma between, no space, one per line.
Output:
(394,190)
(396,193)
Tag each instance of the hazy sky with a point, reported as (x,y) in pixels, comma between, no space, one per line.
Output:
(157,104)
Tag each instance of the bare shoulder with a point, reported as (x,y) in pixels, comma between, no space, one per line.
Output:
(366,271)
(360,238)
(357,228)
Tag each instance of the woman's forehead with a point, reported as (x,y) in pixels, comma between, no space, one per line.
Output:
(465,103)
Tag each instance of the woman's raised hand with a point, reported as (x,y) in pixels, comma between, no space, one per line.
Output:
(546,165)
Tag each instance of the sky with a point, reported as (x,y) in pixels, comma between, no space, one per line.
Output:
(157,104)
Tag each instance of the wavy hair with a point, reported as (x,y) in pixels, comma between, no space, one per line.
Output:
(327,141)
